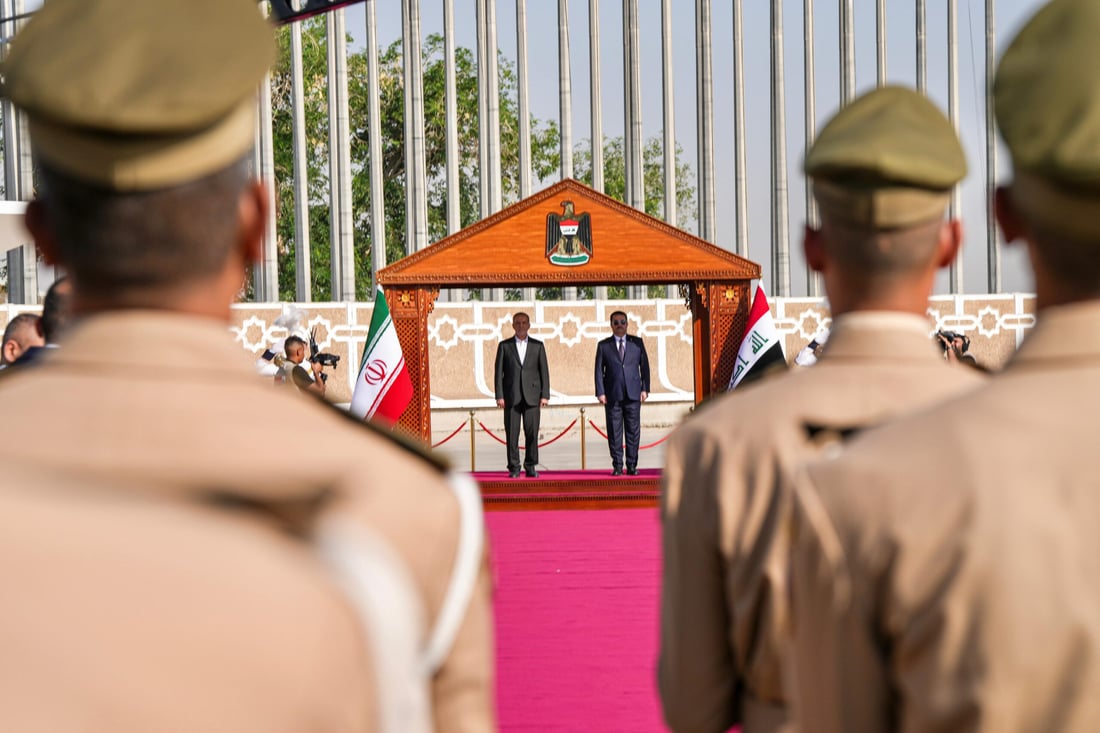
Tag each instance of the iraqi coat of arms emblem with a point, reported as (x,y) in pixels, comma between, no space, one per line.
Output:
(568,237)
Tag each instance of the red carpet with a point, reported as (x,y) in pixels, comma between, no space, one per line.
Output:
(576,613)
(644,474)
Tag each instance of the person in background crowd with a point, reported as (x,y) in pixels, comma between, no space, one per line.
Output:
(56,309)
(882,171)
(21,333)
(295,349)
(945,569)
(167,564)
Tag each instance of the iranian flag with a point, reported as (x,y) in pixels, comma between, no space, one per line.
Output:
(383,389)
(761,348)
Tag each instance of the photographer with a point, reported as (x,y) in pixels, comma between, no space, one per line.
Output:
(955,347)
(296,374)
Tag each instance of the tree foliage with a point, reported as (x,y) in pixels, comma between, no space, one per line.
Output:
(545,156)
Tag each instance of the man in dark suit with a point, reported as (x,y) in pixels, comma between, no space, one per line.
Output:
(622,385)
(522,387)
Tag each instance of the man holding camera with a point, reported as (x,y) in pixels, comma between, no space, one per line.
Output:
(294,373)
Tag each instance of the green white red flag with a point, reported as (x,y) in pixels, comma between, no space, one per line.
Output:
(383,389)
(761,349)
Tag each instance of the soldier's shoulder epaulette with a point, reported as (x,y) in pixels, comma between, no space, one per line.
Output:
(400,440)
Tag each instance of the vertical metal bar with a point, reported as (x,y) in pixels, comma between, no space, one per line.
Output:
(341,134)
(596,105)
(847,52)
(492,52)
(337,262)
(922,47)
(454,210)
(378,255)
(635,194)
(583,445)
(524,111)
(565,91)
(414,106)
(632,68)
(484,203)
(473,436)
(482,110)
(523,100)
(956,271)
(669,112)
(565,109)
(496,197)
(27,266)
(781,266)
(303,278)
(813,283)
(740,183)
(992,248)
(267,289)
(880,42)
(704,81)
(16,293)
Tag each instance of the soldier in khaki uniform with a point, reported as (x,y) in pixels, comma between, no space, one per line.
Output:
(182,547)
(946,574)
(882,171)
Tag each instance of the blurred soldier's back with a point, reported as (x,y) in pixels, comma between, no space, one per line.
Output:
(231,557)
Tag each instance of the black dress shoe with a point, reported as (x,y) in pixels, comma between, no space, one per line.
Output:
(532,474)
(513,474)
(617,472)
(632,471)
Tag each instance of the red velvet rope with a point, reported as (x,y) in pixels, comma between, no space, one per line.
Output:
(456,432)
(557,437)
(641,447)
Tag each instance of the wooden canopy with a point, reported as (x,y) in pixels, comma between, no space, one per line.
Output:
(595,240)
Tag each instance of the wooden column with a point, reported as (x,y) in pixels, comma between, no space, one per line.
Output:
(720,314)
(409,309)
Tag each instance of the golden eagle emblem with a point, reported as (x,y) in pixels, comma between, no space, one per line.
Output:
(568,237)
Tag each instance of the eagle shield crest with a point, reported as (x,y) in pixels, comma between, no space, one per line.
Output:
(568,237)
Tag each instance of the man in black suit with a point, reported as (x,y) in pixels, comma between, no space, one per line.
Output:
(522,387)
(622,385)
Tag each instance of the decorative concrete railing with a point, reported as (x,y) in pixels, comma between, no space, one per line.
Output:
(463,337)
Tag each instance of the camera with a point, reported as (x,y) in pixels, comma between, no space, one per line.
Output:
(316,356)
(946,338)
(329,360)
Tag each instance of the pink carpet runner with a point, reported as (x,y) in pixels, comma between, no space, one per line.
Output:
(576,614)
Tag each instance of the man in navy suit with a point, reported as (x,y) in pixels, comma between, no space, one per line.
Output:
(522,387)
(622,385)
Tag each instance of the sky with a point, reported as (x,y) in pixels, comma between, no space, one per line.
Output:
(901,69)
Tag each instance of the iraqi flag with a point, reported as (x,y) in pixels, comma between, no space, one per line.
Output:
(383,389)
(761,348)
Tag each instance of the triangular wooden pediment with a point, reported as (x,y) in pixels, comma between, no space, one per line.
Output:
(509,249)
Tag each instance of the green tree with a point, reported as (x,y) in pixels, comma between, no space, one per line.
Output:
(545,160)
(544,146)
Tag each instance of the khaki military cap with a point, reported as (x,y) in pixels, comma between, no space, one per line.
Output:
(1047,101)
(140,94)
(887,160)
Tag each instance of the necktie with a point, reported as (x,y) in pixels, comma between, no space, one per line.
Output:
(622,351)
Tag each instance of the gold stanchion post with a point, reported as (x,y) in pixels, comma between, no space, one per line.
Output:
(582,439)
(473,435)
